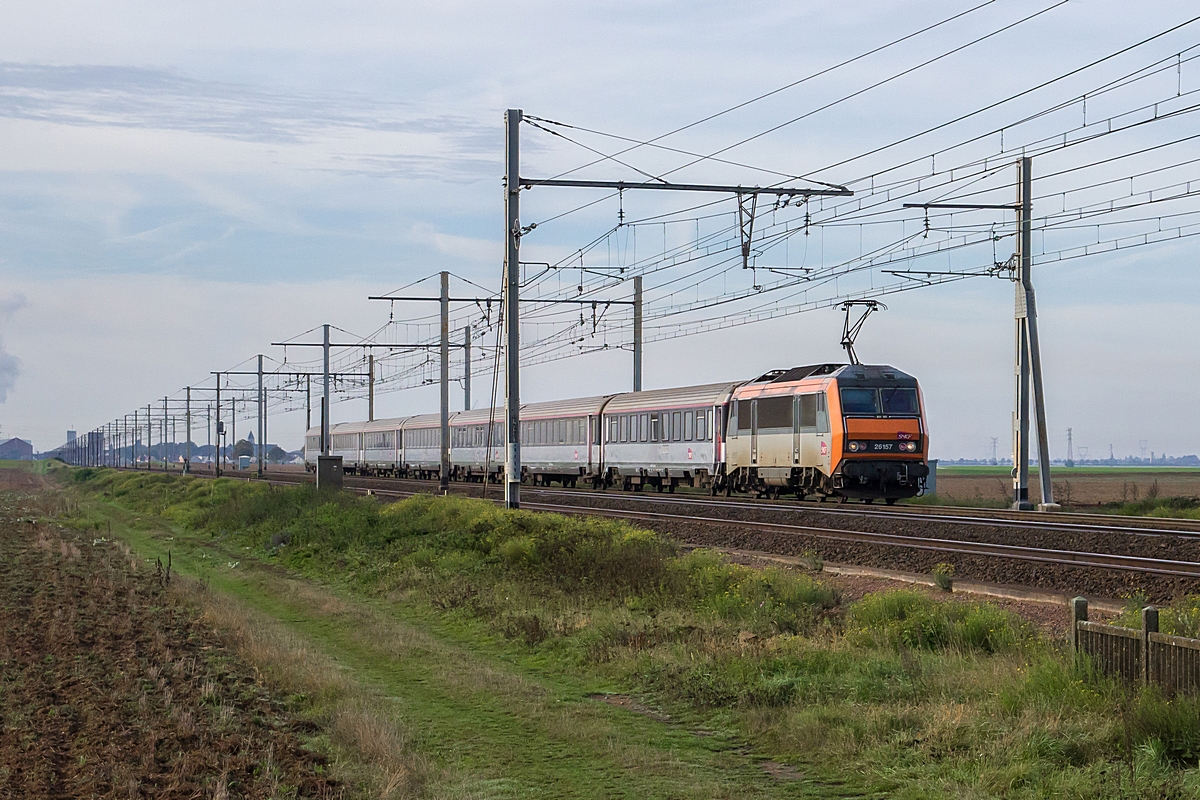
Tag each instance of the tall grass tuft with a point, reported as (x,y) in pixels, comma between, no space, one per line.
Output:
(907,618)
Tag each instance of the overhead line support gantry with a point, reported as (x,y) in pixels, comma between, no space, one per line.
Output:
(513,184)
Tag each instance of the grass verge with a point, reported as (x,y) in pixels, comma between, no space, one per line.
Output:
(499,634)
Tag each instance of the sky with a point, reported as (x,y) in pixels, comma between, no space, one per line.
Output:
(183,184)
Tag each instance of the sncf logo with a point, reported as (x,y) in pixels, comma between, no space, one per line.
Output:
(904,437)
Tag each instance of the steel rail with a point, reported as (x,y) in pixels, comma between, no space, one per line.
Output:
(1158,566)
(1040,555)
(1097,523)
(952,517)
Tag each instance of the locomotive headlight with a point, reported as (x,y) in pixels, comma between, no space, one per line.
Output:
(854,447)
(910,447)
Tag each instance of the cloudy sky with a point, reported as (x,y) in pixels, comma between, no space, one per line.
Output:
(183,184)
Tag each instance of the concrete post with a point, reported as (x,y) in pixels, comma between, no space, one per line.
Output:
(512,304)
(1079,613)
(1149,626)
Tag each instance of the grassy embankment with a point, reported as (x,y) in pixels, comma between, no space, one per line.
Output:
(492,631)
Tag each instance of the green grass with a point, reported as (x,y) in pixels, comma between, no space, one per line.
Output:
(1169,507)
(491,629)
(41,467)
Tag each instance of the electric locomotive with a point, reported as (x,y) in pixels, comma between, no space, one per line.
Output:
(830,430)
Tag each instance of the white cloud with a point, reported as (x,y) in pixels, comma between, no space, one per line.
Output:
(10,365)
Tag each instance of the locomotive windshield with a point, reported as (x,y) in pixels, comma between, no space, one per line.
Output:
(899,402)
(890,401)
(860,401)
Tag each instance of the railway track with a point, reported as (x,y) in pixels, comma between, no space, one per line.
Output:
(1058,521)
(721,522)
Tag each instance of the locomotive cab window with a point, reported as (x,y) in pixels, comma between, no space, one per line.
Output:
(807,420)
(899,402)
(860,401)
(775,412)
(743,416)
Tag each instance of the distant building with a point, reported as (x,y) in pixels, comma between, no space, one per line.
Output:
(71,436)
(16,450)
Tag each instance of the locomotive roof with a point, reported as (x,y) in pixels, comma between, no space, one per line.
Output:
(873,375)
(705,395)
(846,374)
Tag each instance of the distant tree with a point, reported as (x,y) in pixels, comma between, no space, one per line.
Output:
(276,454)
(242,448)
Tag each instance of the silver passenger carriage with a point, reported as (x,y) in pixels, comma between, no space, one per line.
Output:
(666,437)
(382,453)
(346,441)
(560,441)
(469,456)
(421,444)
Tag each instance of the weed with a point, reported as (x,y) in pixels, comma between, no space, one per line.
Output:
(943,576)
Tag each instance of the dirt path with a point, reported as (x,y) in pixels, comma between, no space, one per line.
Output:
(110,687)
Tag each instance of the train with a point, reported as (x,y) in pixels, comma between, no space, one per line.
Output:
(825,431)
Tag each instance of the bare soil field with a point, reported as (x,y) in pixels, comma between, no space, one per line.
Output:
(1078,489)
(111,687)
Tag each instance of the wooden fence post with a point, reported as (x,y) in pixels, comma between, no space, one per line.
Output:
(1079,613)
(1149,626)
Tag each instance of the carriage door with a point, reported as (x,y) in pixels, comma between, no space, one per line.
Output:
(753,431)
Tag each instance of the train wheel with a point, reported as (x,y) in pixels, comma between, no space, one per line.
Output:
(843,500)
(891,501)
(868,500)
(671,488)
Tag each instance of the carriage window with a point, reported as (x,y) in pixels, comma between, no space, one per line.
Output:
(860,401)
(689,425)
(644,428)
(899,401)
(702,426)
(624,427)
(654,426)
(676,426)
(743,415)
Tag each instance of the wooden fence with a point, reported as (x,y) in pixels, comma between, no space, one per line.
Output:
(1172,662)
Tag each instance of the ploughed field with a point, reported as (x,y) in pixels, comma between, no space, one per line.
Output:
(1080,487)
(110,687)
